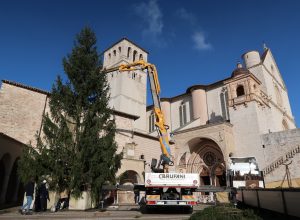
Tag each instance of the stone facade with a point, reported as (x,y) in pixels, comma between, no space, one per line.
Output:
(21,111)
(253,100)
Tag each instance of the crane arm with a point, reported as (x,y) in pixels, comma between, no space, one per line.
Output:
(159,116)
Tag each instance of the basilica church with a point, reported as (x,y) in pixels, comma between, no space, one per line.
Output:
(246,115)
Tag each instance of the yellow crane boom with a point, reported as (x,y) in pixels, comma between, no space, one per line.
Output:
(165,159)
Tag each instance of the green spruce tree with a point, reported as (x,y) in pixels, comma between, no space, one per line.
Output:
(78,148)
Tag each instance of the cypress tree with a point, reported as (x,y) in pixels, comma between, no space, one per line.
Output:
(78,148)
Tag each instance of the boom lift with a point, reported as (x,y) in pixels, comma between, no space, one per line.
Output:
(165,159)
(161,187)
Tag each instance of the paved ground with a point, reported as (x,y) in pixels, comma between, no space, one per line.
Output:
(94,214)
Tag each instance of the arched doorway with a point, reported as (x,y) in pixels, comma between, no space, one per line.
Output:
(125,192)
(205,177)
(4,174)
(207,159)
(129,177)
(14,192)
(219,175)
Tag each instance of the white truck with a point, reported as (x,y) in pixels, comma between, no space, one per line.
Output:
(171,189)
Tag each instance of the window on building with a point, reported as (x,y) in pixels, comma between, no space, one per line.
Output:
(133,75)
(120,49)
(115,52)
(141,57)
(224,105)
(182,114)
(240,91)
(128,52)
(151,122)
(134,55)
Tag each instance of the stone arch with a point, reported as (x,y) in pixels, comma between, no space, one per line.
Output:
(2,174)
(14,190)
(219,174)
(5,164)
(129,177)
(206,154)
(182,161)
(240,91)
(205,176)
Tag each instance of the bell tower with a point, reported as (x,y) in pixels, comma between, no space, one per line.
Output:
(127,89)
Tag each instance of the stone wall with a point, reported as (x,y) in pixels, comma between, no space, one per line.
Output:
(21,112)
(281,148)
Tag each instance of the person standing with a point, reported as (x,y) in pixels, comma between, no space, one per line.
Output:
(136,196)
(29,189)
(44,195)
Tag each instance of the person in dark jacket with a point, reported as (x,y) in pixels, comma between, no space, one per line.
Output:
(29,189)
(44,195)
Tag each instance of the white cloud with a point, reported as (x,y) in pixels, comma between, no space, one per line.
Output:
(151,14)
(200,42)
(198,37)
(187,16)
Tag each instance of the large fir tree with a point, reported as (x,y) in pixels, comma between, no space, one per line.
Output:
(78,149)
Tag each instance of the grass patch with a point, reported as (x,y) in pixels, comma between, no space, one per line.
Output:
(225,213)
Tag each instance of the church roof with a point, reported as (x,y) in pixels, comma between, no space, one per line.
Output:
(125,38)
(263,56)
(26,87)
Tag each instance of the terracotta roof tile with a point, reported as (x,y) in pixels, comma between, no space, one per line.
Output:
(26,87)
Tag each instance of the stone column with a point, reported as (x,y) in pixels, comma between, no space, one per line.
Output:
(199,105)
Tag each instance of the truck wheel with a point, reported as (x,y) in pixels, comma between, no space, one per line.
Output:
(144,209)
(188,210)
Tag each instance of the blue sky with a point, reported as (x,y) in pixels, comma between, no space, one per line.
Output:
(191,42)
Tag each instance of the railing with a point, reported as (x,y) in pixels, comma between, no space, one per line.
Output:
(288,156)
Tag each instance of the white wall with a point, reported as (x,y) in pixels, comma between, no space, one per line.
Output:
(175,119)
(246,131)
(214,104)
